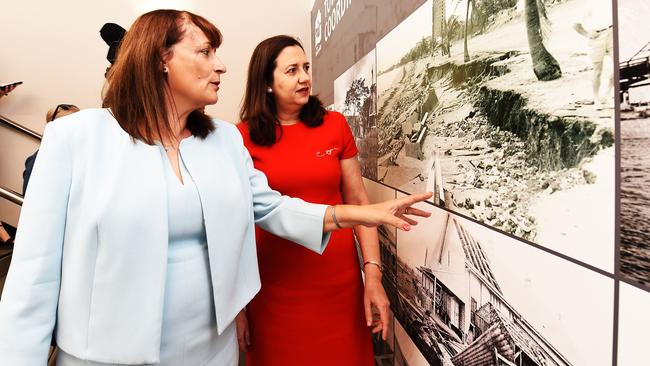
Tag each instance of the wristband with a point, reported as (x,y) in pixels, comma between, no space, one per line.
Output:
(336,222)
(374,263)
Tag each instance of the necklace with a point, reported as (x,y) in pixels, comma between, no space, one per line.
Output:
(175,142)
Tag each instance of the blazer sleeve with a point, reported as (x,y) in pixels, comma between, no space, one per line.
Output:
(29,301)
(290,218)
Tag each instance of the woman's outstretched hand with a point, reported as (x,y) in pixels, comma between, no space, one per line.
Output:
(397,213)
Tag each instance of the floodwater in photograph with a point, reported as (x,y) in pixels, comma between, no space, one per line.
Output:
(635,199)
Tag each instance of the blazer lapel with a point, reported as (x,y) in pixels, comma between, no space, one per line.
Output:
(226,207)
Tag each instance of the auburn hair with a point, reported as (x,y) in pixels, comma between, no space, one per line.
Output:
(136,85)
(259,110)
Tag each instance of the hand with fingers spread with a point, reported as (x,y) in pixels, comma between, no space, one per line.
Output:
(394,213)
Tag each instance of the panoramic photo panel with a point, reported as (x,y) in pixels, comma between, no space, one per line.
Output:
(355,96)
(634,72)
(505,109)
(469,295)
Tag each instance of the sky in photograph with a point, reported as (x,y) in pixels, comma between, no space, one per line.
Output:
(633,29)
(569,305)
(404,37)
(407,34)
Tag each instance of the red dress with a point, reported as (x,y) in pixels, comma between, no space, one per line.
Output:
(309,311)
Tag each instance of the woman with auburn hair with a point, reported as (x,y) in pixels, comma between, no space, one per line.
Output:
(307,300)
(136,237)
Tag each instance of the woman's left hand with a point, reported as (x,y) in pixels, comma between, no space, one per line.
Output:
(375,297)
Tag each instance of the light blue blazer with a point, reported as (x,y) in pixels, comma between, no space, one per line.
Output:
(92,239)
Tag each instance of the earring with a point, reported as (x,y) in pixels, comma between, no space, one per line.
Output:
(165,69)
(269,90)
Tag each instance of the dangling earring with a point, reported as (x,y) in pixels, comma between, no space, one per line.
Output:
(269,90)
(165,69)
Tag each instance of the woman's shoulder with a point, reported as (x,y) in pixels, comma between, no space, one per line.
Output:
(334,115)
(244,130)
(88,116)
(225,130)
(94,121)
(335,121)
(334,118)
(242,126)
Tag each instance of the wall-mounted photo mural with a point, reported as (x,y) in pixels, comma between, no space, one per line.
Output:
(508,111)
(634,72)
(468,293)
(504,108)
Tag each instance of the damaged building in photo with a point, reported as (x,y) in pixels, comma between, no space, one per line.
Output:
(466,320)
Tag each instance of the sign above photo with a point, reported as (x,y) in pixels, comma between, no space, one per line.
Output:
(326,21)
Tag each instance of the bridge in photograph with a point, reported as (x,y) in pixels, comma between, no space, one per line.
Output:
(635,72)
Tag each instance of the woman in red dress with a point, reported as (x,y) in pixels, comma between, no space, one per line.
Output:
(311,310)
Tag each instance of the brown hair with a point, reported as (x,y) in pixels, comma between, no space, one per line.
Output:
(136,84)
(259,110)
(59,111)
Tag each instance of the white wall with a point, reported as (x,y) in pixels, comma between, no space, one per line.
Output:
(54,47)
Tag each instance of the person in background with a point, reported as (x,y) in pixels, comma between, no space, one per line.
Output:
(136,237)
(596,26)
(54,113)
(307,300)
(4,90)
(112,34)
(5,238)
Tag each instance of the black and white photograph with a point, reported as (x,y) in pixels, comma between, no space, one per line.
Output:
(406,352)
(505,109)
(385,350)
(469,295)
(634,72)
(633,325)
(355,96)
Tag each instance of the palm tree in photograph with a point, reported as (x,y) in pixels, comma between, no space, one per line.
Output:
(356,96)
(545,65)
(467,19)
(451,32)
